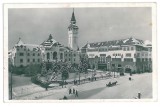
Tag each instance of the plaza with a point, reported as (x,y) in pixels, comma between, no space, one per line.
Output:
(124,89)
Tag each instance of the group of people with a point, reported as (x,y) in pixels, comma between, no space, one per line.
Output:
(73,92)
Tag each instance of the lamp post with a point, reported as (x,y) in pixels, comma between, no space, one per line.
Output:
(108,66)
(115,66)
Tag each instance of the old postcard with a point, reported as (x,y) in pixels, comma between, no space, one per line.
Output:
(80,52)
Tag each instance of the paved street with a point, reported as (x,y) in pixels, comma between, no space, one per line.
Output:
(124,90)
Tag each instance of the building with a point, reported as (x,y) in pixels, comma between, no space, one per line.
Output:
(54,51)
(120,55)
(24,54)
(50,50)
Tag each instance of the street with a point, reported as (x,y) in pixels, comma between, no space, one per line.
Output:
(125,89)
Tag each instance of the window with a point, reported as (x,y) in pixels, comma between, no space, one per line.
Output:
(21,54)
(119,65)
(33,54)
(138,54)
(138,60)
(33,60)
(124,48)
(54,55)
(61,55)
(66,54)
(128,54)
(132,48)
(38,60)
(113,65)
(69,59)
(38,54)
(28,60)
(128,59)
(74,59)
(21,60)
(28,54)
(116,59)
(127,48)
(48,56)
(103,55)
(74,55)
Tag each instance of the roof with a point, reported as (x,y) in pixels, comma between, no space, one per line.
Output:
(32,47)
(73,17)
(19,43)
(73,26)
(49,42)
(128,41)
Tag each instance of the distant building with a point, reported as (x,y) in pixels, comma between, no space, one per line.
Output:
(120,55)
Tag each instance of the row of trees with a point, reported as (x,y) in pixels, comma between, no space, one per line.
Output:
(29,70)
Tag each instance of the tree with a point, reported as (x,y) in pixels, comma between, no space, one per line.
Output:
(65,74)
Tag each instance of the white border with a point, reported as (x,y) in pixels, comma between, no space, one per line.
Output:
(81,5)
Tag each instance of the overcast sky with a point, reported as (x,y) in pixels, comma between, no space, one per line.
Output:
(95,24)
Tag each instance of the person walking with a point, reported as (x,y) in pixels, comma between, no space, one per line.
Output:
(139,95)
(70,91)
(76,95)
(73,91)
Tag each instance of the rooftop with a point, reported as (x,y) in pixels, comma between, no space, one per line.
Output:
(128,41)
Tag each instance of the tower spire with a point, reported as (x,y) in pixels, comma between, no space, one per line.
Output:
(73,19)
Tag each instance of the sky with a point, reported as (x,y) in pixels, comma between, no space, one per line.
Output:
(34,25)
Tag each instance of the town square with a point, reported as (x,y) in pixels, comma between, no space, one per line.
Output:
(80,53)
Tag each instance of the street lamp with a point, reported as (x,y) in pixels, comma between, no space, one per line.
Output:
(115,65)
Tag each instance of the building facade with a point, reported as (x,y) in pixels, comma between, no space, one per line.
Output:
(120,55)
(24,54)
(54,51)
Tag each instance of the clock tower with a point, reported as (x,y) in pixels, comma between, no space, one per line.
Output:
(73,33)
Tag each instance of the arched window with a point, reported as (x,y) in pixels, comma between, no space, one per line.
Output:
(61,56)
(54,55)
(48,56)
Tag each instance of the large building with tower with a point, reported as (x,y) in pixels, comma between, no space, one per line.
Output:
(120,55)
(50,50)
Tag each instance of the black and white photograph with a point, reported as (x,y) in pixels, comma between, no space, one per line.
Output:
(79,52)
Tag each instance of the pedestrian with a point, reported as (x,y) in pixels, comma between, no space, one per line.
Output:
(139,95)
(73,91)
(76,95)
(46,87)
(65,98)
(70,91)
(74,82)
